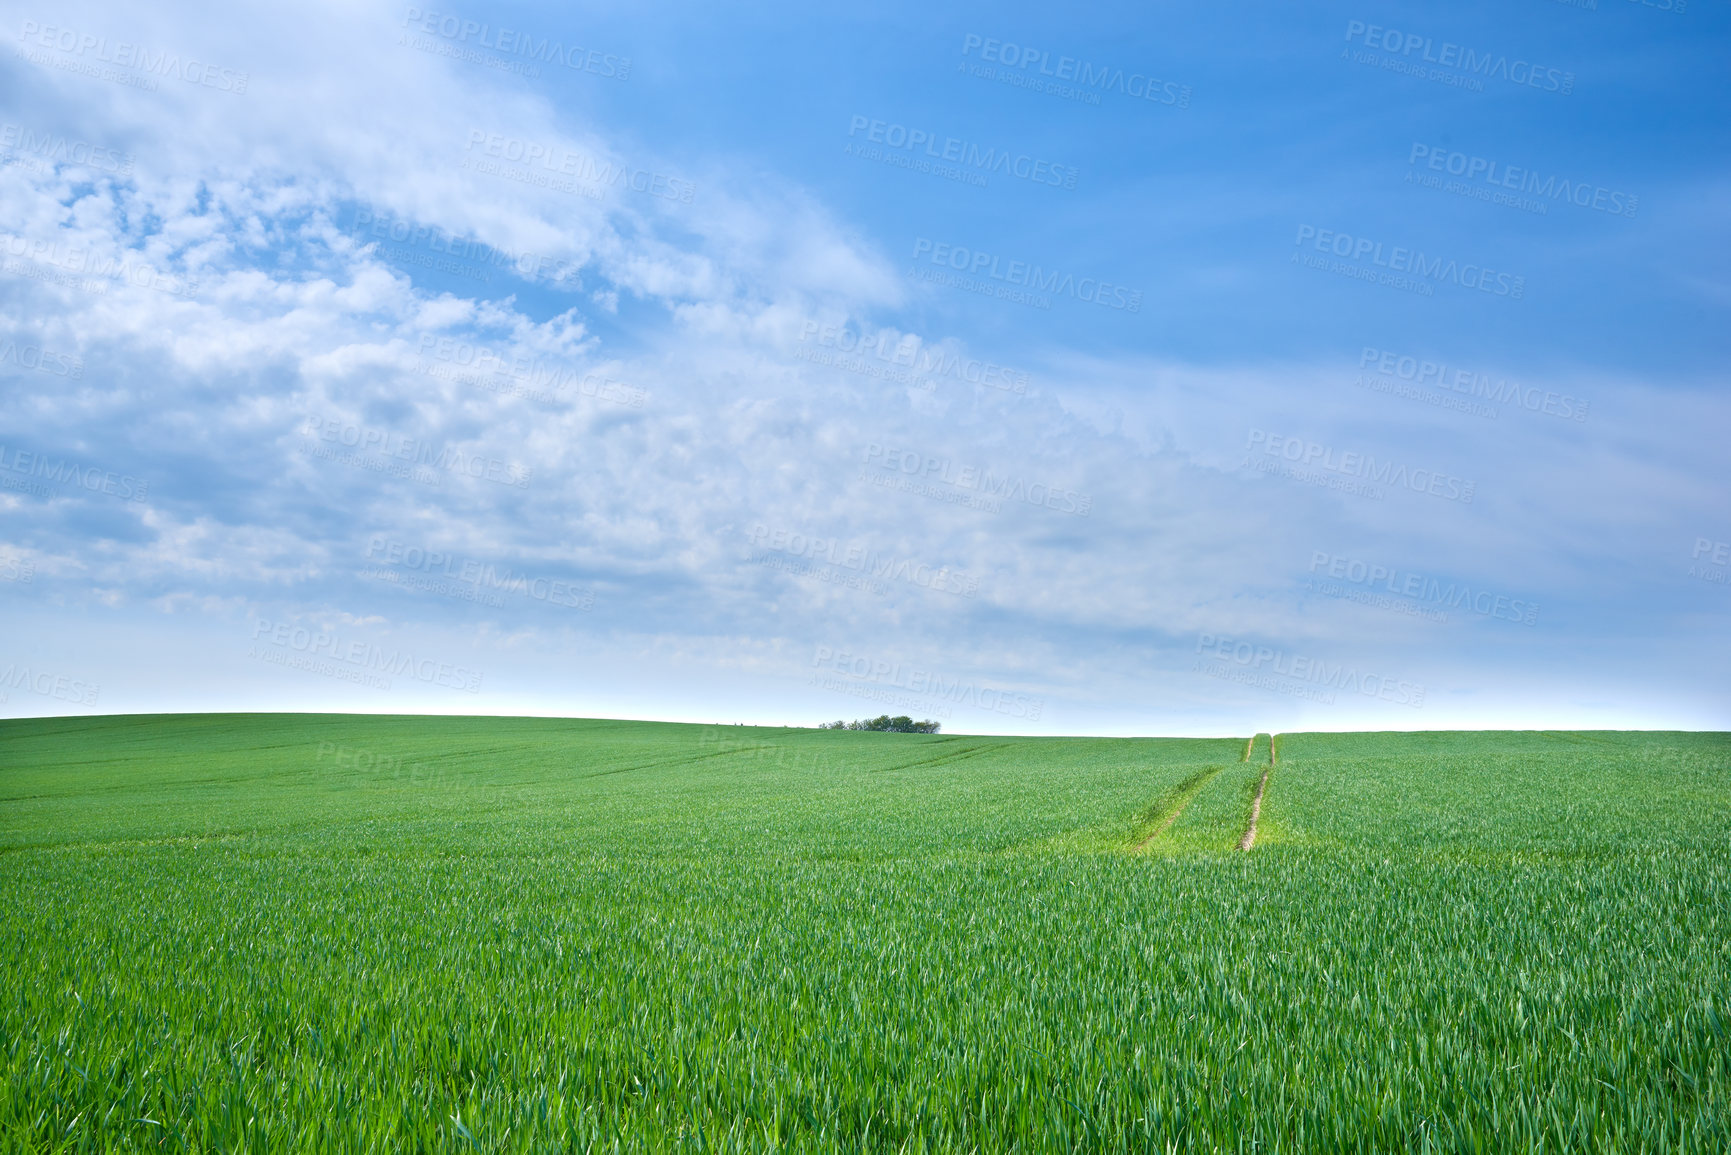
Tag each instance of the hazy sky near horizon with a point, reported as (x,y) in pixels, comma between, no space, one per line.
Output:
(1126,369)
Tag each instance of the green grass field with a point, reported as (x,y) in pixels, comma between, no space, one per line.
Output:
(282,933)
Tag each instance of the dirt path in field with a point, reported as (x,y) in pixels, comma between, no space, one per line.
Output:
(1249,838)
(1188,791)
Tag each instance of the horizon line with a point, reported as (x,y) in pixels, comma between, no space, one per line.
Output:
(814,727)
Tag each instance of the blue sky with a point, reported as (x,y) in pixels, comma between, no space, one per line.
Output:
(1145,369)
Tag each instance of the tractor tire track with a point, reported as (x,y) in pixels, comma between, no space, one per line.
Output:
(1183,796)
(1249,838)
(943,757)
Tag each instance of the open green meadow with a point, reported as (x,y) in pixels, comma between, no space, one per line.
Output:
(322,932)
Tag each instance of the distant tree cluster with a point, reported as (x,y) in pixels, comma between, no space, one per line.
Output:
(900,724)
